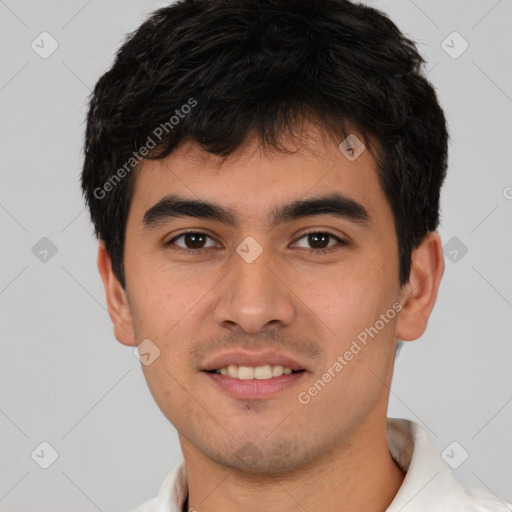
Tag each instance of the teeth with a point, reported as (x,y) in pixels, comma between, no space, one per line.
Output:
(266,371)
(245,372)
(261,372)
(277,370)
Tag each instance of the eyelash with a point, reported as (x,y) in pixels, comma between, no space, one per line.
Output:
(341,243)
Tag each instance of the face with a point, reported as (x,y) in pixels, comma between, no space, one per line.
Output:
(270,276)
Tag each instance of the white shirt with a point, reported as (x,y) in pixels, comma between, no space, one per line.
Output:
(429,485)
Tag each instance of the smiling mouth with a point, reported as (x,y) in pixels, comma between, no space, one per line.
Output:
(263,372)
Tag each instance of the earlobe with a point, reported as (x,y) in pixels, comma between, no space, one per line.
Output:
(419,295)
(117,300)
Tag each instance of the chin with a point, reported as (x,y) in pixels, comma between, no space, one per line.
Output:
(265,458)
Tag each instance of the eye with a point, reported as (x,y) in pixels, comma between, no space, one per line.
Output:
(192,241)
(318,242)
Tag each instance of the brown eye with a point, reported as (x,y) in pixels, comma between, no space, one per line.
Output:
(320,241)
(192,240)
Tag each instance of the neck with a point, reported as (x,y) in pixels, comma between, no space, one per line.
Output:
(358,475)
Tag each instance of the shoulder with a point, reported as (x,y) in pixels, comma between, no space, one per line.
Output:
(429,484)
(171,495)
(475,499)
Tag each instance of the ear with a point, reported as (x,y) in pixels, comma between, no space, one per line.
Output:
(117,299)
(419,295)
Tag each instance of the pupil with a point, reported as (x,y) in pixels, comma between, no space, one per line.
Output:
(317,240)
(314,240)
(195,240)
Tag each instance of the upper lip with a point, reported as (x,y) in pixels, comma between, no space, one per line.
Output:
(246,358)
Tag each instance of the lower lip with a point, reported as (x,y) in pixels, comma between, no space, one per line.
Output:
(254,389)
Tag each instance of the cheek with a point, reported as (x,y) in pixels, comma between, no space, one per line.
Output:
(348,306)
(345,300)
(165,384)
(160,300)
(169,311)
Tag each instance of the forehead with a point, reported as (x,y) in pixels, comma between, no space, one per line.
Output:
(253,181)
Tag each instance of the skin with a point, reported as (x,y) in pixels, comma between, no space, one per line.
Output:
(332,453)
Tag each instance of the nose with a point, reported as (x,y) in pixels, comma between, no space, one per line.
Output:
(254,296)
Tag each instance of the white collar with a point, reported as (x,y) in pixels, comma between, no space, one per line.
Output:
(429,485)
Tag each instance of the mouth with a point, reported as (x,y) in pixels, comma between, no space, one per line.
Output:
(250,376)
(263,372)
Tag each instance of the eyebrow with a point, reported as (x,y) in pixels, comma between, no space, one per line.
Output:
(173,206)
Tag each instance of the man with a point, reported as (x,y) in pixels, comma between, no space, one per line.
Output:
(264,179)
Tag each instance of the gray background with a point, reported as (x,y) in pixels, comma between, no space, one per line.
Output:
(67,381)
